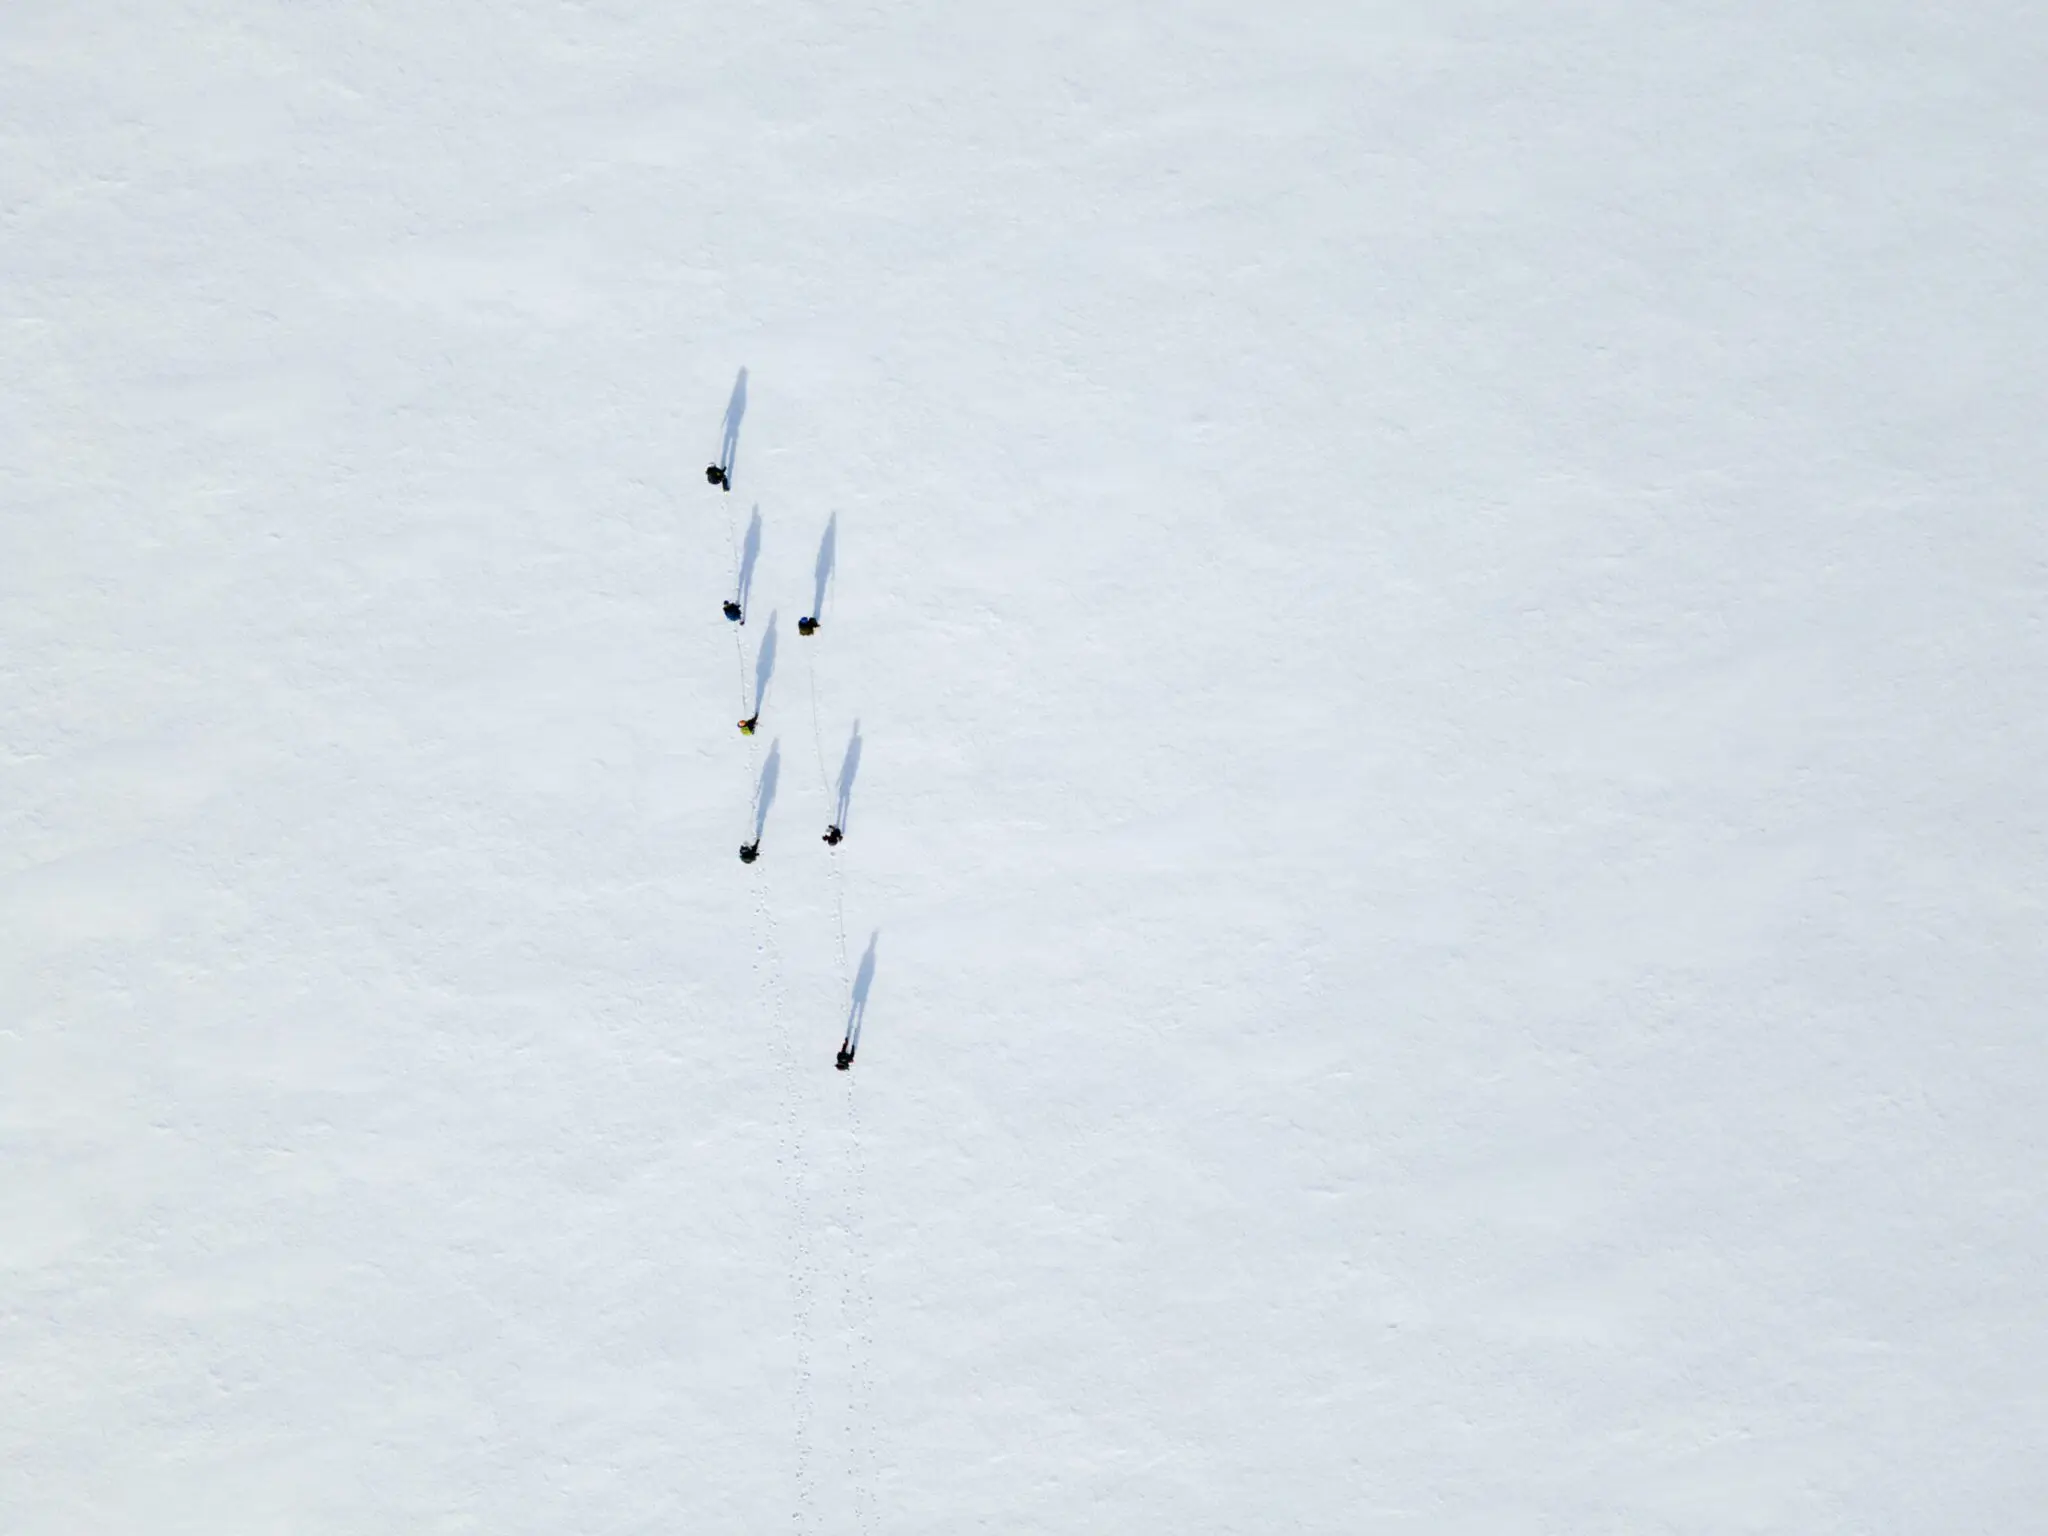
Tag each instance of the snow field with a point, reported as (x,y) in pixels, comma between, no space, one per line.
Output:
(1443,610)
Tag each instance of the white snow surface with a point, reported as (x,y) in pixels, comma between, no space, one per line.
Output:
(1444,609)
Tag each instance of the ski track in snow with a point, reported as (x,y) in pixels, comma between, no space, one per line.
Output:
(807,1277)
(773,994)
(803,1262)
(860,1440)
(772,999)
(856,1287)
(771,990)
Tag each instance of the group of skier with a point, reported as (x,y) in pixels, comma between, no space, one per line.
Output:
(720,475)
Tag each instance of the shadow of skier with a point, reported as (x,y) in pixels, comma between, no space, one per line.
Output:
(848,767)
(856,1016)
(750,556)
(764,792)
(764,666)
(729,444)
(828,553)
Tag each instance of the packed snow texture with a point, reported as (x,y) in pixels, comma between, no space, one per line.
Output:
(1442,610)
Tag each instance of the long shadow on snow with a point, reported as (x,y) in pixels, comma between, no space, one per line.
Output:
(848,767)
(764,664)
(828,553)
(764,793)
(729,445)
(857,1015)
(750,556)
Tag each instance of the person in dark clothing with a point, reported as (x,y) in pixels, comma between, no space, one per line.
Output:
(747,725)
(734,612)
(845,1058)
(833,836)
(715,473)
(750,851)
(807,626)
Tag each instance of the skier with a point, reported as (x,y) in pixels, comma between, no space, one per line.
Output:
(845,1058)
(833,836)
(747,725)
(734,612)
(750,851)
(715,473)
(807,626)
